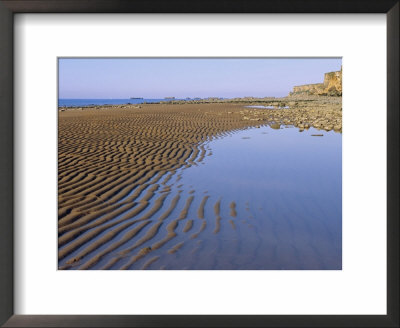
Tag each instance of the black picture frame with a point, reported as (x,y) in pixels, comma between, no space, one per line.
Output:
(10,7)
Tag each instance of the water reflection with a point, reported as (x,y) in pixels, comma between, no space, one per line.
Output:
(287,190)
(266,107)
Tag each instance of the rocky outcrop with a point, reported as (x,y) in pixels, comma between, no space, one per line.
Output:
(308,89)
(333,83)
(332,86)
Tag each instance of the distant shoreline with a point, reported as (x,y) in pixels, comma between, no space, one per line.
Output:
(266,101)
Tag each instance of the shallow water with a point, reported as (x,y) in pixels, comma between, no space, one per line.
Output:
(271,199)
(265,107)
(287,186)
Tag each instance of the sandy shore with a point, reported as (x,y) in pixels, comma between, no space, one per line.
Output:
(108,156)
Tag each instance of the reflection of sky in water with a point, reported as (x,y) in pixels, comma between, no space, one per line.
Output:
(270,160)
(288,177)
(265,107)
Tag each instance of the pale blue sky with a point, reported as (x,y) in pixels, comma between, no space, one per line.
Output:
(105,78)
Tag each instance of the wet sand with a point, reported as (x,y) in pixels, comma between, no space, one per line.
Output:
(114,167)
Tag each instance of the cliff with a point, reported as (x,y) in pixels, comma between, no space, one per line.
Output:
(332,86)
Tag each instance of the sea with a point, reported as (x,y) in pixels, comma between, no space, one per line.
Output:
(100,102)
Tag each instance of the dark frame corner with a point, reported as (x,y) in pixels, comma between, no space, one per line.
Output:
(10,7)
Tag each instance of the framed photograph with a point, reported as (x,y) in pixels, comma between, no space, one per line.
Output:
(213,164)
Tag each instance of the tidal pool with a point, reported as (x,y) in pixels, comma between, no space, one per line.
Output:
(287,188)
(266,107)
(260,199)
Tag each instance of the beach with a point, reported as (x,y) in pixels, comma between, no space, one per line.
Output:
(117,205)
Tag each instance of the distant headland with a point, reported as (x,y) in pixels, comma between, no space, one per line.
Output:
(332,86)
